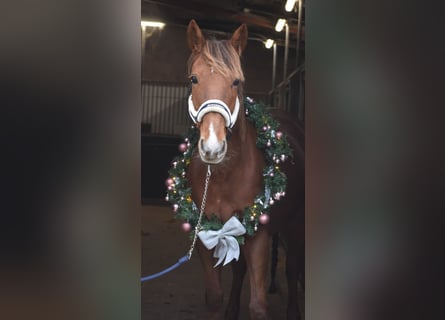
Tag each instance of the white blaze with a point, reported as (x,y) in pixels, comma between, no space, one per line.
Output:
(212,144)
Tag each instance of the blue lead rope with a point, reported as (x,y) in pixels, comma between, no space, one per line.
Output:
(197,228)
(177,264)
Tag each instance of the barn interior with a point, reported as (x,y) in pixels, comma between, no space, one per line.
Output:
(273,64)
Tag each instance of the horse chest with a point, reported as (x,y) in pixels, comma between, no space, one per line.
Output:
(225,199)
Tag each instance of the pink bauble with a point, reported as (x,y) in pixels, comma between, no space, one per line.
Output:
(182,147)
(186,227)
(264,218)
(169,182)
(175,207)
(279,134)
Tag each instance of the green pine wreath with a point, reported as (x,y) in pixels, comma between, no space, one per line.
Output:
(276,149)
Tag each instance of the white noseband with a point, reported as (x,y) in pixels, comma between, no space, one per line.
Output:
(214,105)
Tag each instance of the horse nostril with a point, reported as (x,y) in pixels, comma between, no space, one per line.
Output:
(223,149)
(202,144)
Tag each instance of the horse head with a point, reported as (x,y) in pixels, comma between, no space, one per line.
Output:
(216,79)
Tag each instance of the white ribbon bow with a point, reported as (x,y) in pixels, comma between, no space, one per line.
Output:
(224,240)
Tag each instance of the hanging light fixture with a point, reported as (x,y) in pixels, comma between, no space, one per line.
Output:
(154,24)
(289,5)
(280,24)
(269,43)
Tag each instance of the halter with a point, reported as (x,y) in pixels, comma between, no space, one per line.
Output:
(214,105)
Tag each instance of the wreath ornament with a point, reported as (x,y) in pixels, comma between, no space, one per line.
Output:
(276,150)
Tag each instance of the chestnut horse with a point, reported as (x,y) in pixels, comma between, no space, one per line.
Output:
(237,176)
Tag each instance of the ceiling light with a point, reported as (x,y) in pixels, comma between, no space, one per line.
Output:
(154,24)
(280,24)
(269,43)
(289,5)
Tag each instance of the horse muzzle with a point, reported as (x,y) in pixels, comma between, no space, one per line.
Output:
(212,147)
(210,152)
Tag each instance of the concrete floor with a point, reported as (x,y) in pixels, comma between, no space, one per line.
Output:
(180,293)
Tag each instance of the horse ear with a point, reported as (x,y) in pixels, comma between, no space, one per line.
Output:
(195,38)
(239,39)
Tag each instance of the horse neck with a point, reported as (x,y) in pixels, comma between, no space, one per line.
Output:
(242,142)
(241,127)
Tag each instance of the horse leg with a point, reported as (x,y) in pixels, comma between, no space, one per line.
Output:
(273,263)
(294,263)
(238,273)
(301,263)
(256,253)
(212,277)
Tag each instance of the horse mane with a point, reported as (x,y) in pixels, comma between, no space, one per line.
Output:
(222,56)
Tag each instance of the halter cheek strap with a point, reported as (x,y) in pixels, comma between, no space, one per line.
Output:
(214,105)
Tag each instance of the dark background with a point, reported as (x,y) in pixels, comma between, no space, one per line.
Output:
(70,97)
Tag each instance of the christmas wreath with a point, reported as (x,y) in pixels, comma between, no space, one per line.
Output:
(276,150)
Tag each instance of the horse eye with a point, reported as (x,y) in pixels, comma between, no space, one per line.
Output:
(235,82)
(193,79)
